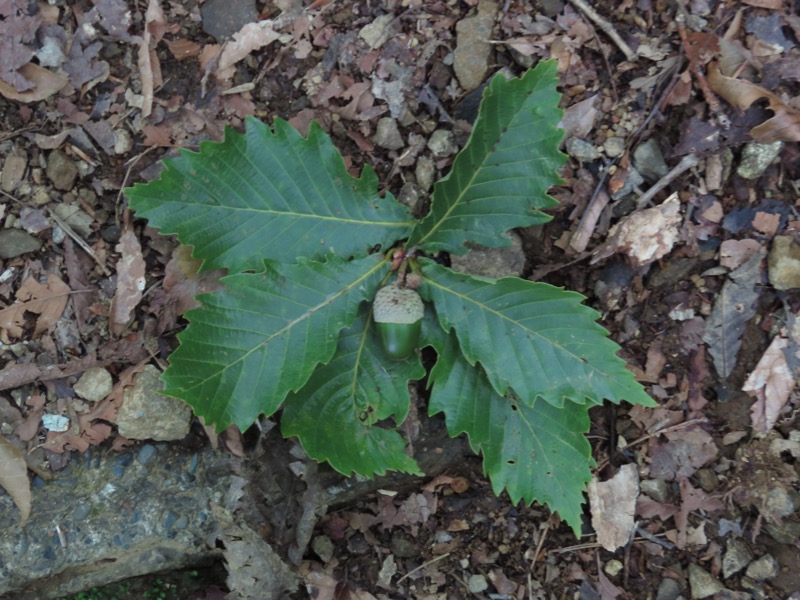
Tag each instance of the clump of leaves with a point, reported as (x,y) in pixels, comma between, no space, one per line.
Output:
(519,363)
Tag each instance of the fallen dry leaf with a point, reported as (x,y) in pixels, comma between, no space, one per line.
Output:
(48,301)
(14,477)
(783,126)
(613,504)
(771,383)
(645,236)
(249,38)
(46,83)
(130,281)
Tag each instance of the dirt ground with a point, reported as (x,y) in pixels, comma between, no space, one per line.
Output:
(699,286)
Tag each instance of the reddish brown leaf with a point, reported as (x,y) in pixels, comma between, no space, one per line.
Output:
(48,301)
(771,383)
(783,126)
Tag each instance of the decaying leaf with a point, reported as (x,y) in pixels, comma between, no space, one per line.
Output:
(771,383)
(46,300)
(783,126)
(613,504)
(734,308)
(130,281)
(645,236)
(14,477)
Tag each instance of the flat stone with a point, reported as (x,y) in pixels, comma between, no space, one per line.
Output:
(784,263)
(756,158)
(702,583)
(614,147)
(387,135)
(508,261)
(15,242)
(425,172)
(477,584)
(223,18)
(668,589)
(657,489)
(94,385)
(13,172)
(377,32)
(148,414)
(763,569)
(76,218)
(737,557)
(471,57)
(61,170)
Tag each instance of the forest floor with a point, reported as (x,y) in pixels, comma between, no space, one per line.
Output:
(682,122)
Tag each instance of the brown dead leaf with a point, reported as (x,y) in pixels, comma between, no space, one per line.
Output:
(48,301)
(783,126)
(182,49)
(771,383)
(130,282)
(46,83)
(249,38)
(645,236)
(613,504)
(14,477)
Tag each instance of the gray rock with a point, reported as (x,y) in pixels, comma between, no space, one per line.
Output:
(61,170)
(508,261)
(784,263)
(668,589)
(403,547)
(425,171)
(477,584)
(649,161)
(763,569)
(657,489)
(223,18)
(471,57)
(787,532)
(377,32)
(581,150)
(147,414)
(15,242)
(707,479)
(387,135)
(323,547)
(737,557)
(614,147)
(107,517)
(412,196)
(94,385)
(702,583)
(77,219)
(442,143)
(756,158)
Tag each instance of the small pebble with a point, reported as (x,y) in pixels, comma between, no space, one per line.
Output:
(477,584)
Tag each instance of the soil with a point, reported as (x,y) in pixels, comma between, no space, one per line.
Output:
(712,476)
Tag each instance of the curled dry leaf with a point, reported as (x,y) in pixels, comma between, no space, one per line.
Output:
(14,477)
(48,301)
(771,383)
(130,281)
(784,126)
(645,236)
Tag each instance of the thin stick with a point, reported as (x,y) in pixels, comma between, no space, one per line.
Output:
(422,566)
(78,240)
(687,162)
(607,27)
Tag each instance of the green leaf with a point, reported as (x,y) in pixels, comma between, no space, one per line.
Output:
(536,453)
(335,415)
(266,194)
(500,179)
(538,339)
(263,335)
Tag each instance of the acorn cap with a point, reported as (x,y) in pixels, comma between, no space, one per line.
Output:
(397,305)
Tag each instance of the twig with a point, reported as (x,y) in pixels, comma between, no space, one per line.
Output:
(423,565)
(607,27)
(686,163)
(78,240)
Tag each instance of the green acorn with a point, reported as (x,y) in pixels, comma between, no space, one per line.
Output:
(398,316)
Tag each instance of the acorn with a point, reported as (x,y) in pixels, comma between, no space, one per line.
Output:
(398,313)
